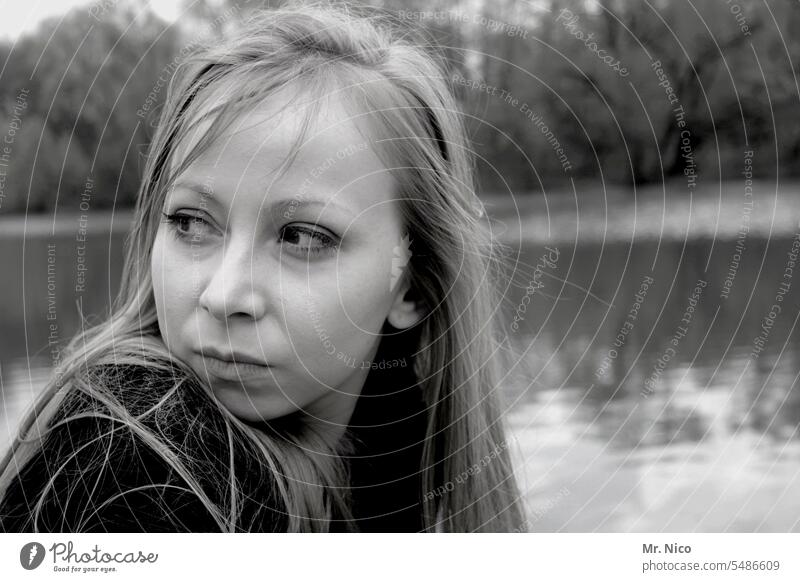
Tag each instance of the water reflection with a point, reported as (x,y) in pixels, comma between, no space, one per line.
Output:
(670,420)
(20,382)
(688,460)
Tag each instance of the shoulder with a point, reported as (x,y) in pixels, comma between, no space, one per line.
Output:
(130,448)
(136,387)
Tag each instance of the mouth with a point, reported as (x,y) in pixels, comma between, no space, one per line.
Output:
(231,366)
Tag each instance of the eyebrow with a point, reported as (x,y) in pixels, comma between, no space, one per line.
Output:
(282,205)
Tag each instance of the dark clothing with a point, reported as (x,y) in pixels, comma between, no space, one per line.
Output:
(390,419)
(114,481)
(107,478)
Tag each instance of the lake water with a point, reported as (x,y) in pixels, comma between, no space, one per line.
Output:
(662,409)
(654,390)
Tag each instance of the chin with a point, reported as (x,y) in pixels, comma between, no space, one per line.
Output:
(254,410)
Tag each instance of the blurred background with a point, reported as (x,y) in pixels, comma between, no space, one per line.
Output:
(638,158)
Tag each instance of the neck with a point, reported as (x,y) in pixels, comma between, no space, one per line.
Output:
(330,415)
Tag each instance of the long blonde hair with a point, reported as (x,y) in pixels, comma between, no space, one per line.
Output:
(467,477)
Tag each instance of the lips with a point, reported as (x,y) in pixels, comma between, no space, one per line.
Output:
(231,366)
(231,357)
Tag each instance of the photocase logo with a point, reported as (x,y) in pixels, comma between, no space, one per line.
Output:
(31,555)
(402,254)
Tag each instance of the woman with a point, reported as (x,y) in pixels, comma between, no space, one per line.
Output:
(306,334)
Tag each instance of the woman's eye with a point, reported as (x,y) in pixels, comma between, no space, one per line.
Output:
(307,240)
(188,226)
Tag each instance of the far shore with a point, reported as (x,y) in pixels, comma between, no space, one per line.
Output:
(66,223)
(590,215)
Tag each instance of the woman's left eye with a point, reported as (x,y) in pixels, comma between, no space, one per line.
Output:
(307,240)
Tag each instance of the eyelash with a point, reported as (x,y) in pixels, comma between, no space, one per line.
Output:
(175,219)
(328,244)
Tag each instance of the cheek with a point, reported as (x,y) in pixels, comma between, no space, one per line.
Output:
(365,306)
(338,320)
(363,291)
(157,274)
(173,272)
(169,290)
(324,337)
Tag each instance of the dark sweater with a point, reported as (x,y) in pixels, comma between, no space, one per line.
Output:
(137,491)
(390,420)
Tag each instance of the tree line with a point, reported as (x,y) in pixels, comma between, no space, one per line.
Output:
(627,91)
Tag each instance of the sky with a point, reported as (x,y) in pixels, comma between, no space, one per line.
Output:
(18,16)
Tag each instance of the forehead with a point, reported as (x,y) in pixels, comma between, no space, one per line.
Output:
(292,145)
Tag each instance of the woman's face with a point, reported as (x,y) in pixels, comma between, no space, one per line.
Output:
(288,274)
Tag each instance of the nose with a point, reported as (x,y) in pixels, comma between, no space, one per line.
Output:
(236,284)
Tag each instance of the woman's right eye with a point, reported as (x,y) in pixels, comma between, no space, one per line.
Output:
(188,226)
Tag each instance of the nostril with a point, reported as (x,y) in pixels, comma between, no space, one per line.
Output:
(233,300)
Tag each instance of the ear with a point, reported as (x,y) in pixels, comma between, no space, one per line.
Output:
(406,310)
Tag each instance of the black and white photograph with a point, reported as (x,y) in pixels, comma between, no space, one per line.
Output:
(401,267)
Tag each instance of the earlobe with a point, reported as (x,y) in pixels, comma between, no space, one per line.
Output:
(405,311)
